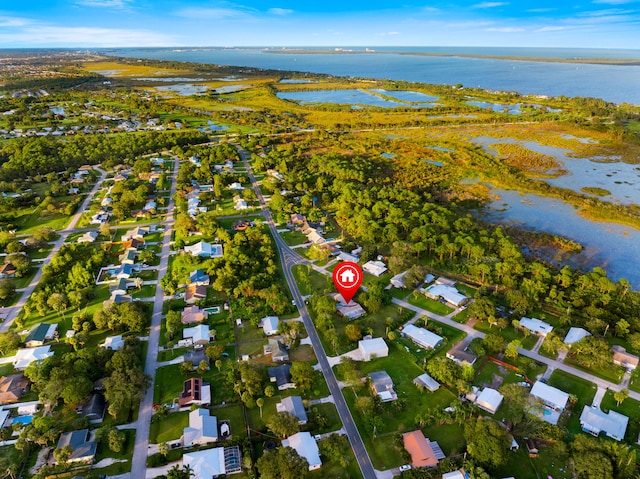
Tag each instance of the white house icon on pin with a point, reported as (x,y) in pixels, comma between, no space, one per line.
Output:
(347,276)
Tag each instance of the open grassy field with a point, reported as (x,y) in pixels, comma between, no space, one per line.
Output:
(420,300)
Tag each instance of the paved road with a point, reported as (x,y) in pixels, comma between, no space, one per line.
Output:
(290,258)
(10,314)
(551,363)
(141,448)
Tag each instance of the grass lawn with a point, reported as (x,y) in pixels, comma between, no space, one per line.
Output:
(400,366)
(528,342)
(609,372)
(399,293)
(293,238)
(582,389)
(148,274)
(168,384)
(630,408)
(235,416)
(126,453)
(147,291)
(634,384)
(462,317)
(330,413)
(310,281)
(449,436)
(168,428)
(420,300)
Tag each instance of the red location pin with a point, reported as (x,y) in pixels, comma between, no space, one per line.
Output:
(347,277)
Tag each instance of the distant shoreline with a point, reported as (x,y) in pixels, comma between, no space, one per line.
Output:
(591,61)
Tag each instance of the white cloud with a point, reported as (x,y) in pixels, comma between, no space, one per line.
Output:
(53,36)
(104,3)
(280,11)
(505,29)
(550,29)
(13,21)
(489,5)
(209,13)
(384,34)
(540,10)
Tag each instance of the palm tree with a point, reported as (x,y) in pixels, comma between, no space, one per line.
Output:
(260,403)
(138,282)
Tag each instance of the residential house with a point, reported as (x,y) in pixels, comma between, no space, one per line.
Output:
(622,358)
(193,314)
(24,357)
(39,334)
(375,268)
(419,448)
(89,237)
(348,257)
(613,424)
(211,463)
(194,391)
(422,337)
(270,325)
(448,293)
(575,335)
(106,201)
(117,298)
(123,271)
(240,203)
(113,342)
(277,349)
(398,280)
(12,387)
(235,186)
(461,474)
(241,225)
(427,382)
(315,237)
(128,257)
(133,243)
(139,232)
(199,278)
(121,287)
(298,219)
(350,311)
(553,400)
(73,191)
(94,408)
(293,405)
(199,335)
(306,446)
(202,429)
(489,400)
(536,326)
(7,270)
(281,375)
(204,250)
(195,293)
(83,450)
(150,205)
(373,348)
(460,354)
(196,356)
(382,386)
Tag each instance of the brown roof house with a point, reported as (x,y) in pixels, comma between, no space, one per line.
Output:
(7,270)
(193,314)
(195,293)
(622,358)
(194,391)
(12,388)
(422,454)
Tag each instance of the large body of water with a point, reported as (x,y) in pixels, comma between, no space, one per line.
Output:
(613,247)
(617,83)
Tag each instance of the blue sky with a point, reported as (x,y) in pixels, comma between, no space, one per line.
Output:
(119,23)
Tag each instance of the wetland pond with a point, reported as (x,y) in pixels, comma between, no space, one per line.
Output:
(404,99)
(612,246)
(621,180)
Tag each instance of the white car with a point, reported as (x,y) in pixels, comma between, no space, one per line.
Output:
(406,467)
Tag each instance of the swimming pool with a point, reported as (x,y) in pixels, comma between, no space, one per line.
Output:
(22,420)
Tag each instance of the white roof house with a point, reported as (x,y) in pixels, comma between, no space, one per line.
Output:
(376,268)
(207,463)
(536,326)
(113,342)
(373,348)
(449,293)
(613,424)
(204,249)
(202,429)
(454,475)
(88,237)
(306,446)
(549,395)
(426,381)
(575,335)
(24,357)
(270,325)
(489,400)
(398,280)
(199,334)
(348,257)
(422,337)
